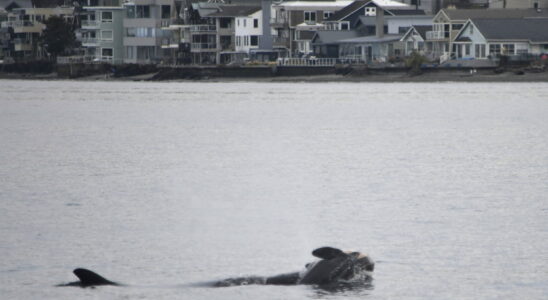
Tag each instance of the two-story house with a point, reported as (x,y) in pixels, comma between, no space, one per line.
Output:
(295,22)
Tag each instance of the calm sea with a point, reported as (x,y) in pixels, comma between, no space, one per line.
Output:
(165,186)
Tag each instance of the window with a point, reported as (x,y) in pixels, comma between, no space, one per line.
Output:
(327,14)
(254,41)
(245,22)
(345,26)
(467,49)
(370,11)
(106,17)
(480,50)
(508,49)
(494,49)
(238,22)
(142,11)
(106,35)
(106,52)
(471,29)
(130,12)
(166,11)
(310,16)
(415,2)
(129,52)
(131,32)
(255,23)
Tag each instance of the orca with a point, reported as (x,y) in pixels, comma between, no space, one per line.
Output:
(89,279)
(333,267)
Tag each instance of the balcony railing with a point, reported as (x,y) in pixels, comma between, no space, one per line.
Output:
(280,41)
(20,23)
(203,46)
(203,28)
(90,23)
(435,35)
(88,40)
(308,62)
(19,41)
(279,21)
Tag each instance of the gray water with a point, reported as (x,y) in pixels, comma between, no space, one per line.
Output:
(165,186)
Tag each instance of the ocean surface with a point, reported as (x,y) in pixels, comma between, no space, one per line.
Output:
(167,186)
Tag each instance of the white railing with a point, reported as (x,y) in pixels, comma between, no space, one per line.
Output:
(202,28)
(89,40)
(307,62)
(435,35)
(279,21)
(20,23)
(88,23)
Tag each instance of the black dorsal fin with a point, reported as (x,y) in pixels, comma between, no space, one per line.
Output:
(89,278)
(327,252)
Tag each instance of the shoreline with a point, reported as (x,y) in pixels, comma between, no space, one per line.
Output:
(392,77)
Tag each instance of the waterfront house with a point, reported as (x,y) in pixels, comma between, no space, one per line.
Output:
(414,40)
(347,18)
(143,29)
(325,43)
(448,22)
(490,38)
(102,31)
(294,23)
(26,20)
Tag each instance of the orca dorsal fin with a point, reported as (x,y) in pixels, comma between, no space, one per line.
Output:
(90,278)
(327,252)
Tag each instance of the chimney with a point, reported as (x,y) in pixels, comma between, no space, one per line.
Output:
(265,42)
(379,24)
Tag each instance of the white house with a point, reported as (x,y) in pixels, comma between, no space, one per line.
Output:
(490,38)
(248,31)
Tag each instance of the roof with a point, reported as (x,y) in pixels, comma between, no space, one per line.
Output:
(407,12)
(422,29)
(235,11)
(370,20)
(533,30)
(465,14)
(10,4)
(373,39)
(299,5)
(332,36)
(397,8)
(48,3)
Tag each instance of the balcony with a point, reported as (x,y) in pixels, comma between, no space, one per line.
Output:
(89,42)
(203,47)
(168,43)
(90,24)
(280,41)
(435,35)
(279,22)
(203,28)
(24,26)
(22,45)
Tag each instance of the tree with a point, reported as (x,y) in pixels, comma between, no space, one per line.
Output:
(58,36)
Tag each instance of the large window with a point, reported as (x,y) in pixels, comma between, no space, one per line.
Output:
(480,50)
(142,11)
(254,40)
(106,16)
(166,11)
(106,52)
(310,16)
(494,49)
(508,49)
(327,14)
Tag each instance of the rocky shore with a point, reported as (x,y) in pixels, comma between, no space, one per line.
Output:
(344,74)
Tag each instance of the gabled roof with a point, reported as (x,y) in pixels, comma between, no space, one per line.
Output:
(534,30)
(419,29)
(11,4)
(465,14)
(391,8)
(332,36)
(235,11)
(406,12)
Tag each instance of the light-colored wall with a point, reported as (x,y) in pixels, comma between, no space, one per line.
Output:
(395,23)
(242,31)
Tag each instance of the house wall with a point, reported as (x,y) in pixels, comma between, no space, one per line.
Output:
(395,23)
(519,4)
(243,32)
